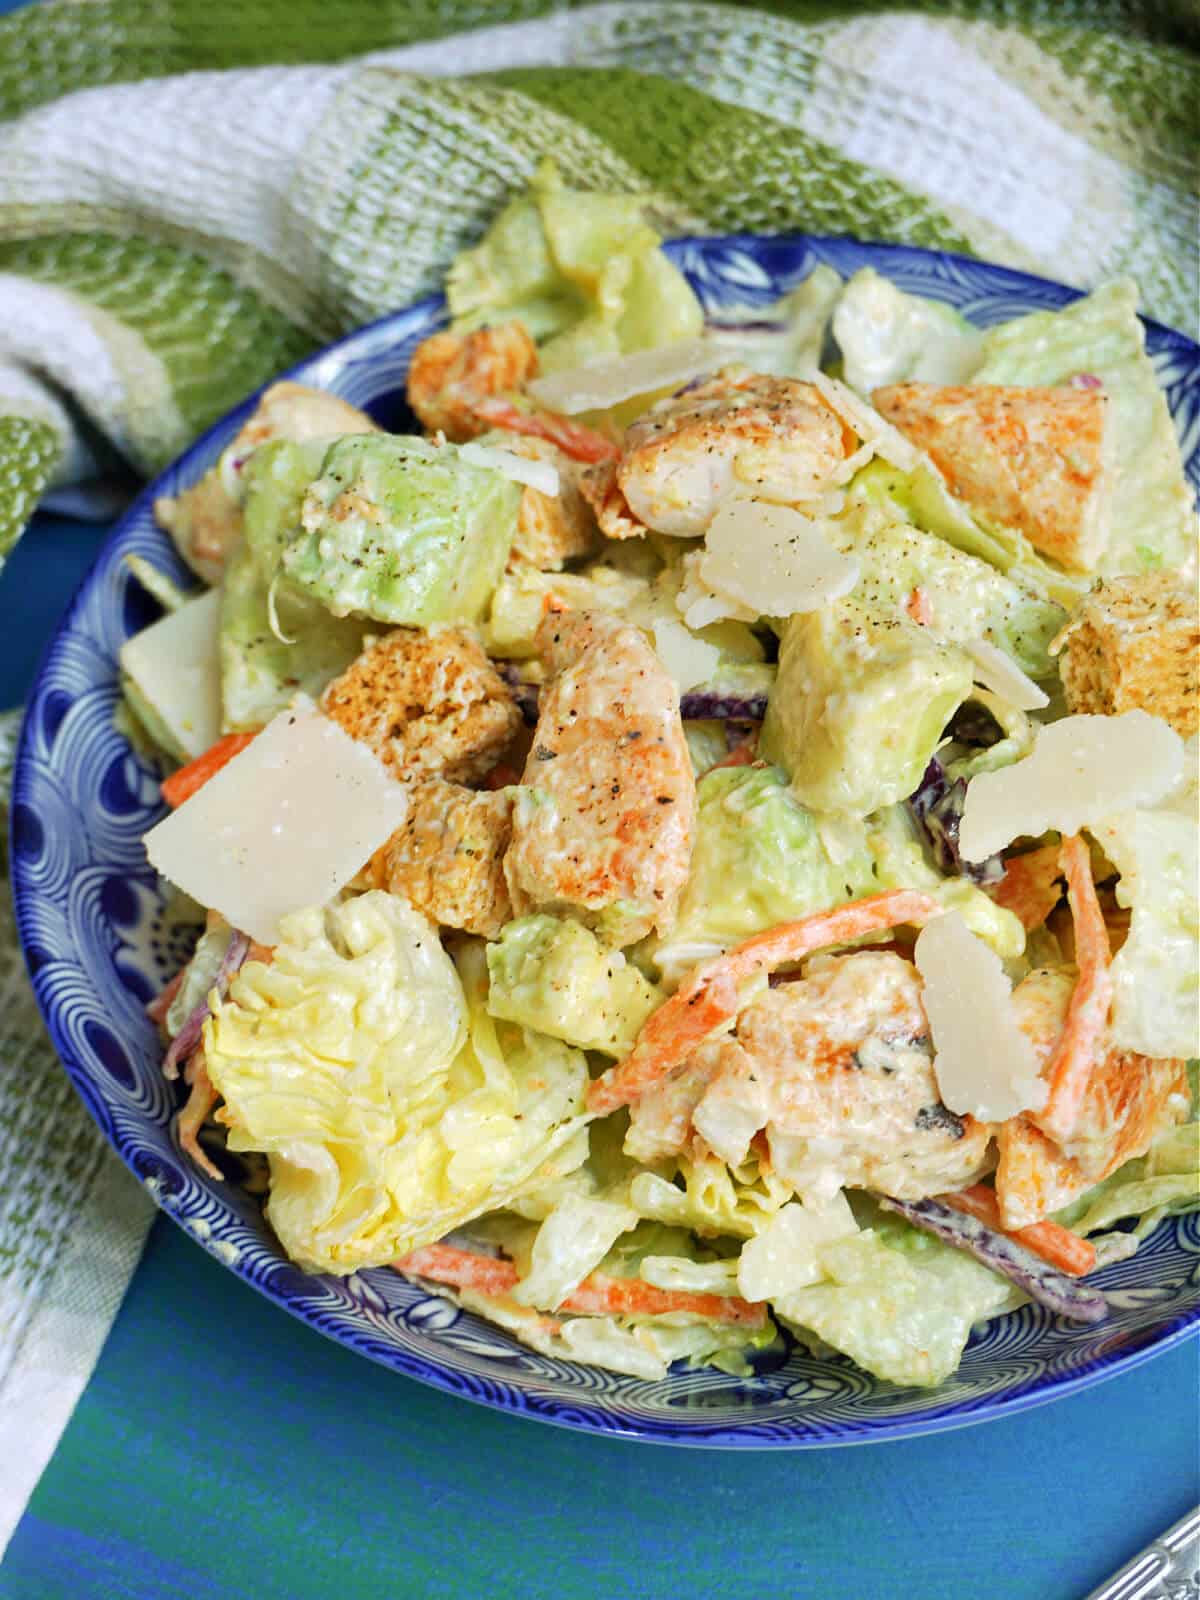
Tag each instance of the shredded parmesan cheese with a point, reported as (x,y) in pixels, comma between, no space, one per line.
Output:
(773,559)
(606,383)
(535,474)
(284,825)
(984,1064)
(999,673)
(1080,771)
(689,660)
(699,605)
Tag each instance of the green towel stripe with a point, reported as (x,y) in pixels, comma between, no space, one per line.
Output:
(28,453)
(737,169)
(216,339)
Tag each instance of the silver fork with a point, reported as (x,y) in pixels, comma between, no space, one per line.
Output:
(1167,1569)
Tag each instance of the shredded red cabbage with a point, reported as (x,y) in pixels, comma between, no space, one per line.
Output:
(188,1037)
(936,806)
(1041,1282)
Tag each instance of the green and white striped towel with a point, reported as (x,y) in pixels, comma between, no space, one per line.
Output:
(193,197)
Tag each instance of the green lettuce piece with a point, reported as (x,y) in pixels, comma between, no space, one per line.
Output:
(552,974)
(261,668)
(1153,521)
(758,858)
(1165,1181)
(921,498)
(392,1107)
(859,706)
(156,583)
(401,530)
(709,1198)
(1156,972)
(582,271)
(199,975)
(900,863)
(275,641)
(901,1305)
(519,600)
(794,346)
(887,336)
(968,597)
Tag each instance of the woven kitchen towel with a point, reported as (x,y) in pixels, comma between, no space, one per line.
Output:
(193,196)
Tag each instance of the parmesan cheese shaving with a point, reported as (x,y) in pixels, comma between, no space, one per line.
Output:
(984,1064)
(174,663)
(285,824)
(1081,770)
(535,474)
(606,383)
(689,660)
(886,440)
(773,559)
(699,605)
(999,673)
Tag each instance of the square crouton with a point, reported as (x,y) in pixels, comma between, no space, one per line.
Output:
(448,857)
(1134,644)
(428,702)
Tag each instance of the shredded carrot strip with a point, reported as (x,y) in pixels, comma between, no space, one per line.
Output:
(157,1008)
(1080,1046)
(741,755)
(919,608)
(709,997)
(1059,1246)
(182,785)
(1030,886)
(598,1295)
(572,438)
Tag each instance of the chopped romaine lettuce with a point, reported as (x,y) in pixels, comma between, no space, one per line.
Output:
(902,1305)
(391,1106)
(758,858)
(1164,1181)
(402,530)
(582,271)
(1153,520)
(199,975)
(156,583)
(552,974)
(572,1241)
(710,1197)
(859,706)
(519,602)
(784,338)
(887,336)
(966,598)
(921,497)
(1156,972)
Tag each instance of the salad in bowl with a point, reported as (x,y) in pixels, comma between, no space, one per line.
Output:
(697,842)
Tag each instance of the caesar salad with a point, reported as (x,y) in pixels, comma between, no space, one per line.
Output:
(698,838)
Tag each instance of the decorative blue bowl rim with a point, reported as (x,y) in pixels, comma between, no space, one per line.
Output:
(99,940)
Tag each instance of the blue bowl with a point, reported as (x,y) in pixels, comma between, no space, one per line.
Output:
(101,939)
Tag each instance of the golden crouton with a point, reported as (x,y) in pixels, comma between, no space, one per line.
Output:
(1135,644)
(448,857)
(1025,458)
(428,702)
(551,529)
(205,521)
(451,373)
